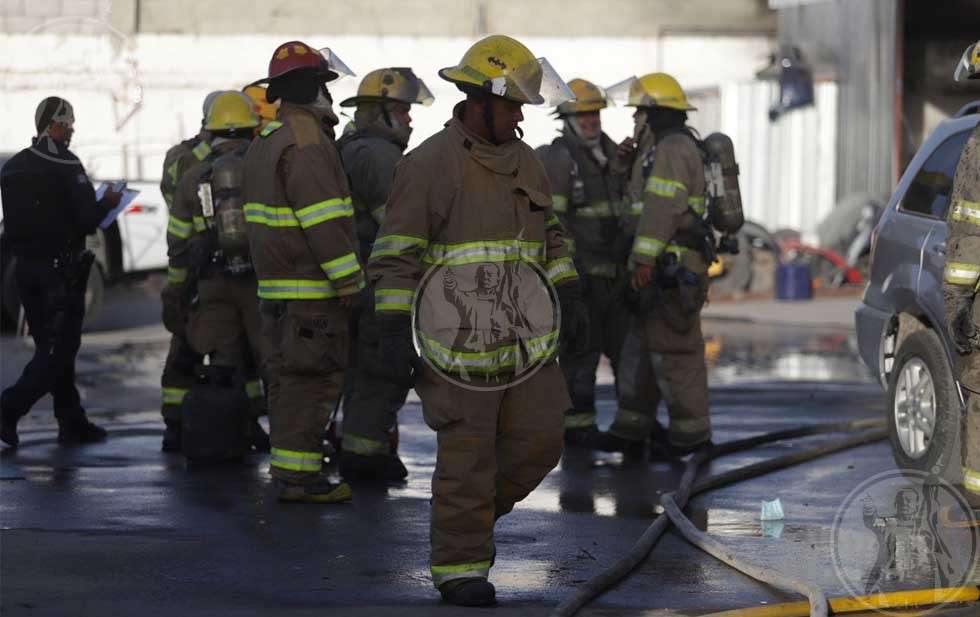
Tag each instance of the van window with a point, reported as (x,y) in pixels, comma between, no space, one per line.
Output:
(930,189)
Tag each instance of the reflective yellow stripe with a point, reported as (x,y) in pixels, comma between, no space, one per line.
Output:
(294,460)
(199,224)
(172,172)
(553,222)
(179,228)
(341,267)
(270,216)
(326,210)
(176,275)
(296,289)
(635,208)
(270,128)
(650,247)
(971,480)
(173,396)
(579,420)
(664,187)
(696,204)
(966,211)
(443,574)
(605,270)
(559,203)
(253,388)
(385,246)
(561,269)
(363,445)
(378,214)
(202,150)
(597,210)
(503,359)
(484,251)
(958,273)
(393,300)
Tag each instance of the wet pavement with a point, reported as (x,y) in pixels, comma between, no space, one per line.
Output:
(121,528)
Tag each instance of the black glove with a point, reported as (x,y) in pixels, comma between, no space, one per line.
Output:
(961,328)
(575,335)
(399,362)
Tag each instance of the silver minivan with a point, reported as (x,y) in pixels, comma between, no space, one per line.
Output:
(901,324)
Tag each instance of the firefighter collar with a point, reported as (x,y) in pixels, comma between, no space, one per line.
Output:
(503,159)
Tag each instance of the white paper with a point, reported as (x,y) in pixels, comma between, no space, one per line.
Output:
(128,195)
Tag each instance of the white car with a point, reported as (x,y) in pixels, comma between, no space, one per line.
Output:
(135,244)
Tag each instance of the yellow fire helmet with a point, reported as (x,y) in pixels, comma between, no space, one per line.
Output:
(397,84)
(969,65)
(267,111)
(231,110)
(588,98)
(504,67)
(651,90)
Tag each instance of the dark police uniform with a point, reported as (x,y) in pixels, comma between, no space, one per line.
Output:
(49,207)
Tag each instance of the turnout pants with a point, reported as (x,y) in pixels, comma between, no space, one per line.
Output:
(225,324)
(970,444)
(660,363)
(54,313)
(494,448)
(305,346)
(371,401)
(608,321)
(178,376)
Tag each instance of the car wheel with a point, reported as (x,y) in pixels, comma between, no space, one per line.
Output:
(924,408)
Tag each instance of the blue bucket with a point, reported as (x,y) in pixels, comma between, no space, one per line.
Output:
(793,282)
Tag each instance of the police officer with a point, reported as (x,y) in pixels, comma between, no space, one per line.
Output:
(663,357)
(371,146)
(588,186)
(474,196)
(178,368)
(49,207)
(961,276)
(304,250)
(224,320)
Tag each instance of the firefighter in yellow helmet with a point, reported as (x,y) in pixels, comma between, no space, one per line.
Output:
(266,111)
(304,251)
(370,148)
(470,216)
(663,357)
(178,369)
(588,188)
(210,256)
(960,280)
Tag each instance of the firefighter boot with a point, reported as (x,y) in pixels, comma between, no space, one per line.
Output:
(376,468)
(583,436)
(77,429)
(607,442)
(473,591)
(172,436)
(259,438)
(320,491)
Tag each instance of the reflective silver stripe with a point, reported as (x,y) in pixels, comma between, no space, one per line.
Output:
(324,211)
(971,480)
(199,224)
(636,208)
(176,275)
(397,245)
(650,247)
(393,299)
(179,228)
(664,187)
(605,270)
(443,574)
(341,267)
(964,274)
(561,269)
(966,211)
(600,209)
(296,461)
(491,362)
(295,289)
(484,251)
(270,216)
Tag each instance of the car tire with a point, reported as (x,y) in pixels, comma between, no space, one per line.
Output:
(921,384)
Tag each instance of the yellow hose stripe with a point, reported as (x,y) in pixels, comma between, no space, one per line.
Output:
(897,599)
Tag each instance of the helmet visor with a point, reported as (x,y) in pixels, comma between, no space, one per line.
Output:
(534,83)
(620,91)
(335,64)
(969,65)
(412,90)
(424,95)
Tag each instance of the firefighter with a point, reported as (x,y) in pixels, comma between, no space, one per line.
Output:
(213,258)
(961,277)
(371,146)
(663,356)
(49,207)
(304,251)
(178,369)
(474,193)
(588,186)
